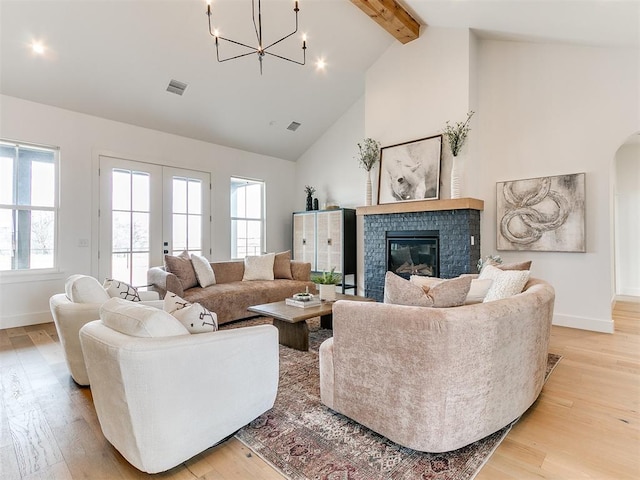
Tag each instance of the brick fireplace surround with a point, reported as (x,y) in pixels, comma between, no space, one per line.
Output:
(456,220)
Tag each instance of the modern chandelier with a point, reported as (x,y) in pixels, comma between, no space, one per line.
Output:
(261,50)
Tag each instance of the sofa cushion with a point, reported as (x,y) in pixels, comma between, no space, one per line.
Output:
(282,265)
(204,272)
(400,291)
(85,289)
(506,283)
(194,317)
(478,290)
(259,267)
(139,320)
(182,267)
(119,289)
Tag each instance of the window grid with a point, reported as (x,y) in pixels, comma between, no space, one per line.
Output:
(28,207)
(247,217)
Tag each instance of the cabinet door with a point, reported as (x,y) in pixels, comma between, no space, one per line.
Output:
(304,238)
(329,246)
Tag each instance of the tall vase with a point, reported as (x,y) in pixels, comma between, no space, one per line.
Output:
(309,202)
(457,172)
(368,200)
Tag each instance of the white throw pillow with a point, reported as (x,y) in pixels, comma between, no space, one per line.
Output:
(204,272)
(85,289)
(506,283)
(194,317)
(259,267)
(139,320)
(118,289)
(478,291)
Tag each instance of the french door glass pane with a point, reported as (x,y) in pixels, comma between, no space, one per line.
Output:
(121,230)
(120,266)
(140,265)
(179,232)
(121,192)
(194,232)
(141,195)
(195,197)
(140,231)
(179,195)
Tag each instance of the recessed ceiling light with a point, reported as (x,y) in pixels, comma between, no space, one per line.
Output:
(321,64)
(37,47)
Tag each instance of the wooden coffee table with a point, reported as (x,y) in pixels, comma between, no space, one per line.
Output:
(291,323)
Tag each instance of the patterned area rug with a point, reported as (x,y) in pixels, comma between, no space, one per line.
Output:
(303,439)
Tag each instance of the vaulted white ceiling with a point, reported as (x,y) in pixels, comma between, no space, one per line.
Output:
(115,58)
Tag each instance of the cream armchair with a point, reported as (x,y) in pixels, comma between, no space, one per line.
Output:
(162,400)
(437,379)
(80,304)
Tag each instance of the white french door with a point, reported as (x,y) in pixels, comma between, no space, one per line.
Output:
(147,210)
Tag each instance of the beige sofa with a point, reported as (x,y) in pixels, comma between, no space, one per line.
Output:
(230,297)
(437,379)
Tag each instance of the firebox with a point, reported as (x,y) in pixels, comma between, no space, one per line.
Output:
(413,252)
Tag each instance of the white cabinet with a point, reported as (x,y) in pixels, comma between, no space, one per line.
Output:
(327,239)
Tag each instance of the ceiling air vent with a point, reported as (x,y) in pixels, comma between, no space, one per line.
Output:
(176,87)
(293,126)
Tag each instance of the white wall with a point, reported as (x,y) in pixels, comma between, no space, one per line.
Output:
(81,139)
(556,109)
(627,220)
(541,109)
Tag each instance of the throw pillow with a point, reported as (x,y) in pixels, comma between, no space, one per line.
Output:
(400,291)
(204,272)
(478,290)
(259,267)
(118,289)
(139,320)
(194,317)
(85,289)
(182,267)
(423,281)
(450,293)
(282,265)
(515,266)
(506,283)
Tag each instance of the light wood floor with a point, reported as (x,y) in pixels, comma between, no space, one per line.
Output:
(585,424)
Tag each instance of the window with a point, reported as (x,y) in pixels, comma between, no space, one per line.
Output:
(187,215)
(247,217)
(28,206)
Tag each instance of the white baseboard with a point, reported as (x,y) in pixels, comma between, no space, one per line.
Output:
(582,323)
(629,292)
(627,298)
(23,320)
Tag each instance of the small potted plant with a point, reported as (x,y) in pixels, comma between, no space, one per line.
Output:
(327,282)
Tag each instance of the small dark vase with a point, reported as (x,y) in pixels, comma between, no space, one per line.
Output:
(315,204)
(309,202)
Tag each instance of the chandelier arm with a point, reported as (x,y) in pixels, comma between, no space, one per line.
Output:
(287,36)
(304,61)
(253,17)
(238,43)
(233,58)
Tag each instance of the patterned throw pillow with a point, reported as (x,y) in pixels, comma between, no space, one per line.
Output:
(204,272)
(506,283)
(445,293)
(195,317)
(182,268)
(118,289)
(259,267)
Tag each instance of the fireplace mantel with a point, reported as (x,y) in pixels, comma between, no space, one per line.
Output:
(423,206)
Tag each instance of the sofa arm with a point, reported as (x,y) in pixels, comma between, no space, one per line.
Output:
(162,282)
(148,295)
(301,271)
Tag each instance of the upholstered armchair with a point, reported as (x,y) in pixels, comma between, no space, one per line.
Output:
(163,395)
(80,304)
(437,379)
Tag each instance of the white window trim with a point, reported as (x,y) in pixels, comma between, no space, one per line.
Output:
(262,218)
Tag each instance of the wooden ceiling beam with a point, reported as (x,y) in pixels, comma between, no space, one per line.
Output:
(391,16)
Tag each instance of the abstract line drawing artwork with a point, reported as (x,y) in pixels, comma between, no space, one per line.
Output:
(544,214)
(410,171)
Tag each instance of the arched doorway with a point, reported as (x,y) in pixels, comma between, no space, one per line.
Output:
(627,220)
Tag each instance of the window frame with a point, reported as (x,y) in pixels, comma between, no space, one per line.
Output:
(37,273)
(262,219)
